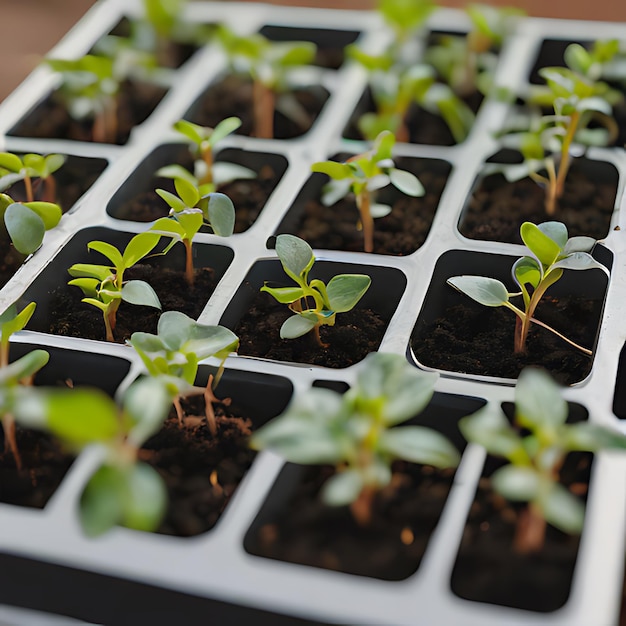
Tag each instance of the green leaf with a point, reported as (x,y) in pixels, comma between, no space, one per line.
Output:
(345,290)
(23,368)
(406,182)
(284,295)
(146,498)
(174,329)
(54,162)
(49,212)
(336,171)
(176,171)
(10,161)
(138,247)
(342,488)
(26,229)
(542,244)
(109,251)
(172,200)
(486,291)
(579,261)
(187,192)
(538,400)
(87,270)
(577,58)
(295,255)
(419,445)
(563,510)
(296,326)
(102,501)
(140,292)
(12,322)
(589,437)
(223,129)
(378,210)
(221,214)
(147,402)
(518,484)
(190,130)
(527,271)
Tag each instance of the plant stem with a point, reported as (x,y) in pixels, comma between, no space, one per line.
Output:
(264,103)
(361,508)
(318,338)
(189,272)
(367,222)
(565,157)
(560,336)
(110,319)
(207,157)
(551,188)
(530,533)
(10,442)
(28,184)
(50,189)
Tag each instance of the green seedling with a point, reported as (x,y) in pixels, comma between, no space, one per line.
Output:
(405,17)
(104,286)
(33,169)
(17,375)
(271,66)
(359,433)
(26,223)
(604,60)
(535,448)
(122,489)
(551,253)
(176,351)
(363,175)
(207,174)
(314,303)
(189,211)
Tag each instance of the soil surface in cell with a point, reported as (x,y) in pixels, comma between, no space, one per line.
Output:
(497,209)
(488,569)
(355,334)
(51,119)
(201,471)
(232,95)
(401,232)
(301,529)
(72,318)
(475,339)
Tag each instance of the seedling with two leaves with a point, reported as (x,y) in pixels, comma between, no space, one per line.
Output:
(34,170)
(364,174)
(535,448)
(314,303)
(551,253)
(174,354)
(104,286)
(359,432)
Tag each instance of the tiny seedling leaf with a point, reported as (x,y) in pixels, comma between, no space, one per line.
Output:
(563,509)
(486,291)
(406,182)
(342,488)
(296,326)
(295,255)
(49,212)
(223,129)
(26,229)
(102,501)
(221,213)
(146,498)
(420,445)
(538,400)
(138,247)
(109,251)
(140,292)
(284,295)
(345,290)
(519,484)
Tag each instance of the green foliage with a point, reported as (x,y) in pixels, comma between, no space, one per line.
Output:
(29,168)
(362,175)
(405,16)
(535,448)
(104,286)
(358,432)
(314,303)
(551,252)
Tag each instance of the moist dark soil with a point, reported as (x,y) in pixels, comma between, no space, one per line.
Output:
(497,208)
(475,339)
(44,464)
(400,233)
(303,530)
(232,95)
(51,120)
(355,334)
(10,260)
(72,318)
(201,471)
(248,195)
(487,568)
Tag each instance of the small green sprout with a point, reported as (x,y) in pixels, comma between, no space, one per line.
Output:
(26,223)
(535,448)
(552,253)
(189,211)
(15,376)
(363,175)
(104,286)
(405,17)
(601,61)
(271,65)
(122,490)
(314,303)
(207,173)
(29,167)
(358,432)
(176,351)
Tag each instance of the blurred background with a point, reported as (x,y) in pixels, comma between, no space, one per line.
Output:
(31,27)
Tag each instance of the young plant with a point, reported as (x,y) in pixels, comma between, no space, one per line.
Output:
(207,173)
(363,175)
(314,303)
(29,167)
(551,253)
(104,286)
(122,489)
(189,211)
(15,376)
(270,65)
(536,447)
(176,351)
(26,223)
(359,433)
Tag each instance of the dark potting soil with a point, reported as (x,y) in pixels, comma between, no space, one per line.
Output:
(232,95)
(487,568)
(51,120)
(497,208)
(475,339)
(303,530)
(400,233)
(44,464)
(72,318)
(355,334)
(10,260)
(201,471)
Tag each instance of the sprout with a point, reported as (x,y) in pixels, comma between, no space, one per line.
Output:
(29,167)
(104,285)
(314,303)
(552,252)
(535,448)
(363,175)
(358,432)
